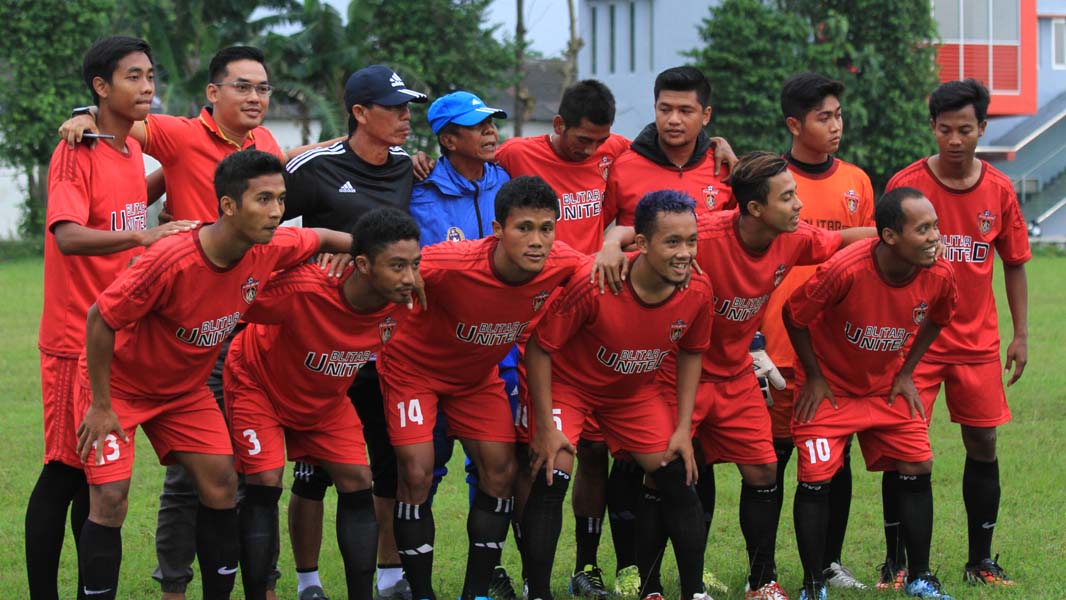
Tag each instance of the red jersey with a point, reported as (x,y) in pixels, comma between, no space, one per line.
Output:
(633,175)
(173,308)
(306,342)
(580,186)
(839,198)
(862,325)
(743,280)
(189,150)
(100,188)
(474,317)
(973,222)
(595,346)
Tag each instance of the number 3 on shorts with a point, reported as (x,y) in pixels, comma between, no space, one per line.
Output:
(254,441)
(410,411)
(818,449)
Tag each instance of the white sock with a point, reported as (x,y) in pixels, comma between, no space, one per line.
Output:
(388,577)
(306,580)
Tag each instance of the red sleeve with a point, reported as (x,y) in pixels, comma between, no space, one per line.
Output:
(944,309)
(808,301)
(698,336)
(265,142)
(576,306)
(68,186)
(866,203)
(1012,243)
(273,304)
(503,154)
(163,137)
(614,197)
(138,289)
(295,245)
(818,244)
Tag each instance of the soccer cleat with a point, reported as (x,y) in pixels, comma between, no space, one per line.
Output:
(839,576)
(987,572)
(926,585)
(627,583)
(893,577)
(816,591)
(588,583)
(313,592)
(713,584)
(770,591)
(401,590)
(501,587)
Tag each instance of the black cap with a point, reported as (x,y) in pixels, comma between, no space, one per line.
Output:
(378,84)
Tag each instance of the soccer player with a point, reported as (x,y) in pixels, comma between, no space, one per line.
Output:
(485,294)
(978,213)
(96,223)
(859,326)
(287,376)
(585,359)
(674,152)
(836,195)
(333,187)
(175,306)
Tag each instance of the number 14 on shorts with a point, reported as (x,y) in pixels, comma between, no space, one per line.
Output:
(410,411)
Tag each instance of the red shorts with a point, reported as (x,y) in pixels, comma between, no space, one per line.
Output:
(887,435)
(781,411)
(700,408)
(261,432)
(974,391)
(736,428)
(479,412)
(189,423)
(639,424)
(59,379)
(591,432)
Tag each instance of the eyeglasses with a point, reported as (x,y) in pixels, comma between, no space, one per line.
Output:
(244,87)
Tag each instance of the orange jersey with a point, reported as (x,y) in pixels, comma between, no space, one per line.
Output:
(840,198)
(173,308)
(100,188)
(306,343)
(580,186)
(596,348)
(743,280)
(633,175)
(189,150)
(474,317)
(973,223)
(862,325)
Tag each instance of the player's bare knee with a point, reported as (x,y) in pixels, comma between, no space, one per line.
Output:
(759,475)
(271,478)
(498,477)
(108,503)
(415,480)
(592,459)
(980,442)
(218,488)
(915,468)
(351,478)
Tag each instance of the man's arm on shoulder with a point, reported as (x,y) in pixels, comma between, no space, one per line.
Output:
(333,241)
(78,240)
(854,234)
(292,153)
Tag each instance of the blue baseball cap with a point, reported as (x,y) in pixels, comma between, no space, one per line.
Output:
(378,84)
(461,108)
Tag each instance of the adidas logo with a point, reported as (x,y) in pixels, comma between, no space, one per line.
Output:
(396,81)
(347,188)
(475,102)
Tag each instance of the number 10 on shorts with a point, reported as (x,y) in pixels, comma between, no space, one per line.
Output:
(818,449)
(410,411)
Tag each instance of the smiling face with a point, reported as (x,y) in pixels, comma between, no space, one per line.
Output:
(671,248)
(957,133)
(916,244)
(679,118)
(238,112)
(782,209)
(526,239)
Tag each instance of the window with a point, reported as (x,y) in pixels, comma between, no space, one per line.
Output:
(594,46)
(612,23)
(1058,43)
(632,37)
(980,39)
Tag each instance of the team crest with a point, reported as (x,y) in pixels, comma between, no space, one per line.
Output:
(779,274)
(985,220)
(677,329)
(250,289)
(385,329)
(455,235)
(604,167)
(852,200)
(710,194)
(919,312)
(539,300)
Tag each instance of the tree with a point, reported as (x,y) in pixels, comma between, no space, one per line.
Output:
(40,81)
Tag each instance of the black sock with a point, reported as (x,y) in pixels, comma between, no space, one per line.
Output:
(916,516)
(810,511)
(258,520)
(895,550)
(681,508)
(980,493)
(542,522)
(650,541)
(839,511)
(100,559)
(758,507)
(356,527)
(415,532)
(486,527)
(705,489)
(218,550)
(783,448)
(587,540)
(79,514)
(57,487)
(624,486)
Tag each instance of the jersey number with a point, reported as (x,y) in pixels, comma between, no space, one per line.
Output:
(112,446)
(523,417)
(411,412)
(254,441)
(818,449)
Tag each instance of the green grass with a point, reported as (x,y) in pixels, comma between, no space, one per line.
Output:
(1031,534)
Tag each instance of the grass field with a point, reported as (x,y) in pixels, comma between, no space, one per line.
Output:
(1032,525)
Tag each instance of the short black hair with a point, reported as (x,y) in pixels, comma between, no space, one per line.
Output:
(234,171)
(216,71)
(587,99)
(750,177)
(528,191)
(646,215)
(888,211)
(380,227)
(955,95)
(684,79)
(803,93)
(102,58)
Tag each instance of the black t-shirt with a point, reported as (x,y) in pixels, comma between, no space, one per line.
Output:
(332,187)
